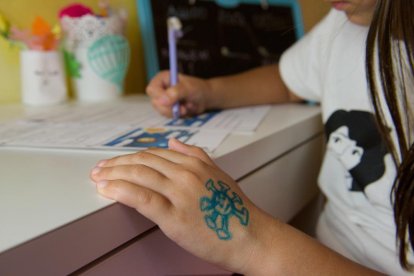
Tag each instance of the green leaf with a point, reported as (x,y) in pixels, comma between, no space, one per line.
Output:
(72,65)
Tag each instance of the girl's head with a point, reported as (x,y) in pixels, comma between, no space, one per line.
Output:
(358,11)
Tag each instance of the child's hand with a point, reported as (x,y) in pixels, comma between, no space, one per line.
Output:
(191,92)
(193,202)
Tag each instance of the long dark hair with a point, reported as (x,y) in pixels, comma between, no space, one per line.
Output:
(390,68)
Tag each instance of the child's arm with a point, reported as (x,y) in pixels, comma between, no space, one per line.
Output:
(262,85)
(204,211)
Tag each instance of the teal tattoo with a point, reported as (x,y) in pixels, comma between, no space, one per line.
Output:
(220,207)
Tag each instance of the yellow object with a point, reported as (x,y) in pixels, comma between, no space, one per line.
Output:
(57,31)
(4,26)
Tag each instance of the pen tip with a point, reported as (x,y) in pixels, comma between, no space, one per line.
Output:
(176,111)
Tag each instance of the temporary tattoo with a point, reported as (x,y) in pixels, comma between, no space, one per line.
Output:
(220,207)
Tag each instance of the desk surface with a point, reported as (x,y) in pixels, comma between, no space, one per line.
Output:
(48,191)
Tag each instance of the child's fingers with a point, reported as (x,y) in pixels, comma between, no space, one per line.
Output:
(138,174)
(148,170)
(193,151)
(130,159)
(149,203)
(187,157)
(159,160)
(163,106)
(158,84)
(175,156)
(178,154)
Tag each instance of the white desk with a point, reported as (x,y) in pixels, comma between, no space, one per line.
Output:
(54,223)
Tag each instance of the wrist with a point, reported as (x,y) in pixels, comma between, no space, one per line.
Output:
(263,258)
(211,95)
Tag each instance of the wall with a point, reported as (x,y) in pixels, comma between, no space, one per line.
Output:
(21,13)
(313,11)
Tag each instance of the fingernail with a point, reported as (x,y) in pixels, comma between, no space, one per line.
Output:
(101,163)
(96,170)
(101,184)
(164,100)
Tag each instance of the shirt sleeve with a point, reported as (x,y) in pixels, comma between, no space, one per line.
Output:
(301,65)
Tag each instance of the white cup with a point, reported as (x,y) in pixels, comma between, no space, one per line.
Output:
(42,78)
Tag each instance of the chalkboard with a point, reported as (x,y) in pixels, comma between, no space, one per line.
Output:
(220,37)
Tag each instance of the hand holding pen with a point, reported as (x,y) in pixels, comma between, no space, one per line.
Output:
(191,91)
(167,95)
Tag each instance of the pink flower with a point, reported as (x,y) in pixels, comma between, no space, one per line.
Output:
(75,10)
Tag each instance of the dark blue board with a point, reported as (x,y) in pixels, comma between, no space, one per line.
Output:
(221,37)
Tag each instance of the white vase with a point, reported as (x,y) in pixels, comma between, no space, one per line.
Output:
(43,79)
(99,55)
(89,86)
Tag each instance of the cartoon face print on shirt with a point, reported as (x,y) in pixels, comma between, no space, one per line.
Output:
(354,139)
(346,149)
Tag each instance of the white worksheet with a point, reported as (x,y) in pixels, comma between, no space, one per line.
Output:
(125,125)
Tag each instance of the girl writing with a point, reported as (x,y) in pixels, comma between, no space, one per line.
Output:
(358,63)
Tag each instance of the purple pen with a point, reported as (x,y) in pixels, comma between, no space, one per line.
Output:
(174,32)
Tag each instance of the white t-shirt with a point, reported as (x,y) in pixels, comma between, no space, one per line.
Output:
(328,66)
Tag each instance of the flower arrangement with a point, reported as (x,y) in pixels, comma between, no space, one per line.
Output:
(41,36)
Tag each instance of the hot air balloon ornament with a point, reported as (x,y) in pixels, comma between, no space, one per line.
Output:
(109,58)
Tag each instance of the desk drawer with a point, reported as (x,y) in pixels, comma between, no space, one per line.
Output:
(286,185)
(153,255)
